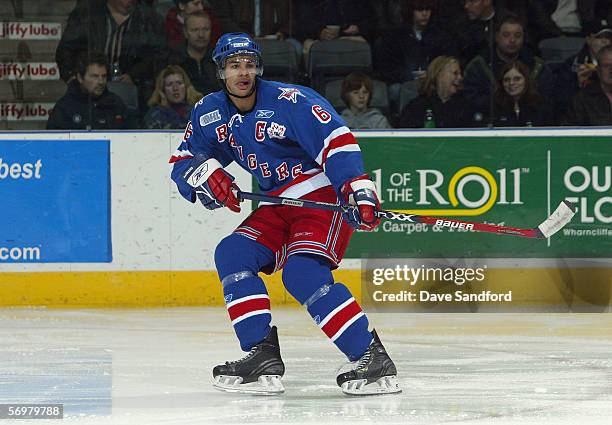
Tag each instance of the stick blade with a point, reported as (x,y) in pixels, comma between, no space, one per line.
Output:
(558,219)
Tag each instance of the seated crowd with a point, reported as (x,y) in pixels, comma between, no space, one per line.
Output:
(447,64)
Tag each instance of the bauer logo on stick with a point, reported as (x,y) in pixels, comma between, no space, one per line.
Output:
(454,224)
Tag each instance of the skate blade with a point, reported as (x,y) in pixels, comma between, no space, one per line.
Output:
(384,385)
(265,385)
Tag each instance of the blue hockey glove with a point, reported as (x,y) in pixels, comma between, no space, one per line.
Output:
(211,183)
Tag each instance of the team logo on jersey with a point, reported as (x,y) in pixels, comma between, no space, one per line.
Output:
(276,131)
(317,319)
(262,113)
(290,93)
(228,298)
(209,118)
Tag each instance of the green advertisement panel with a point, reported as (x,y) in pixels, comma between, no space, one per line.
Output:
(512,181)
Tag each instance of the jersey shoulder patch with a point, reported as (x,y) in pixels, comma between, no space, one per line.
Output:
(209,109)
(290,94)
(210,118)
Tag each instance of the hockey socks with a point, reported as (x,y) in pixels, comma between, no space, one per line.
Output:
(341,318)
(309,280)
(248,305)
(238,261)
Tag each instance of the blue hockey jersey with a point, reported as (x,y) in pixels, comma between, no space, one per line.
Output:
(292,141)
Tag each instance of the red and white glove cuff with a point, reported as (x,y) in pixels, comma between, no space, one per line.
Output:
(364,183)
(201,174)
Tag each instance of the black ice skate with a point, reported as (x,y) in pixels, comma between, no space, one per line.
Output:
(373,373)
(259,372)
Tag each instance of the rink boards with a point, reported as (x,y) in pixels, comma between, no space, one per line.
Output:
(135,242)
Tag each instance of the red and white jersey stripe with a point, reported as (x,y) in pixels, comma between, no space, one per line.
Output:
(304,184)
(180,153)
(339,140)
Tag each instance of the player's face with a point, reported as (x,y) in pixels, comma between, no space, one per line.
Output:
(94,80)
(240,73)
(514,83)
(358,99)
(509,39)
(174,88)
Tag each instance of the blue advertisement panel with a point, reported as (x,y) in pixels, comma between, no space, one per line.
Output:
(55,198)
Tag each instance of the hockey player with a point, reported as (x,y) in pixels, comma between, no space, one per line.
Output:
(295,144)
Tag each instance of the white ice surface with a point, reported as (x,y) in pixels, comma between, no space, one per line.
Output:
(454,368)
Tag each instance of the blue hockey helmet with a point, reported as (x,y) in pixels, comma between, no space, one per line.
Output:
(232,44)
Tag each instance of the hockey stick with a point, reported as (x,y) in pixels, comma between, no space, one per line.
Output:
(557,220)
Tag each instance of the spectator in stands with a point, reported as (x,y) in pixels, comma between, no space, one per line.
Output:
(195,57)
(387,16)
(580,70)
(87,104)
(226,12)
(126,31)
(357,90)
(509,47)
(448,12)
(326,20)
(594,10)
(274,19)
(403,55)
(271,19)
(474,30)
(175,21)
(556,18)
(256,17)
(518,103)
(591,106)
(172,101)
(440,100)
